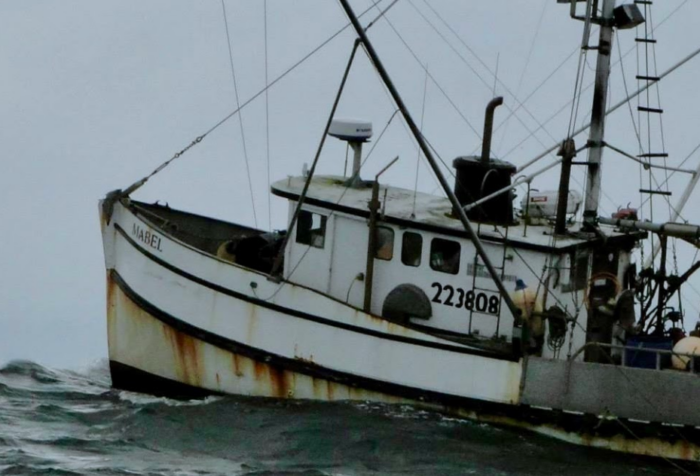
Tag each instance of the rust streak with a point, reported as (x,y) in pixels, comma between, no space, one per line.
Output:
(236,365)
(259,370)
(186,354)
(111,296)
(278,383)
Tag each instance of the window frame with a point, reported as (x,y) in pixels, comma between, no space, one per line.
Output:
(312,234)
(443,268)
(378,244)
(403,249)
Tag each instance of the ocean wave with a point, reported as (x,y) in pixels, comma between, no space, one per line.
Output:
(143,399)
(32,470)
(24,368)
(59,422)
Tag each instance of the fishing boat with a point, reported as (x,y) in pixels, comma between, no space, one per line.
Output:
(537,318)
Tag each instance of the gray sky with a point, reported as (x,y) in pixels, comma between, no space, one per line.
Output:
(97,94)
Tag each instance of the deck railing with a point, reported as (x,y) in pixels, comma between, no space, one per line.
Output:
(627,348)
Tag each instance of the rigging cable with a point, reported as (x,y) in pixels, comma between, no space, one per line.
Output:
(139,183)
(240,116)
(471,68)
(545,3)
(432,78)
(618,105)
(661,122)
(340,199)
(267,119)
(519,104)
(642,164)
(422,119)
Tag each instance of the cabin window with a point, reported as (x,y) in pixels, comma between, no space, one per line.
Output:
(411,249)
(578,271)
(311,229)
(444,256)
(385,243)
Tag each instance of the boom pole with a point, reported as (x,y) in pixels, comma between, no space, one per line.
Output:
(429,157)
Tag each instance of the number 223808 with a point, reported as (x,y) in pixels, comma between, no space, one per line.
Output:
(469,300)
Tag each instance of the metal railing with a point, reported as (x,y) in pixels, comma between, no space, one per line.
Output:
(626,348)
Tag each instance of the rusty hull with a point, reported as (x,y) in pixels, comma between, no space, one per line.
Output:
(141,341)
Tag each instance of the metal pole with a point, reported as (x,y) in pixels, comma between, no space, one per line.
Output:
(661,276)
(429,157)
(280,255)
(488,129)
(372,246)
(567,152)
(600,97)
(676,212)
(613,108)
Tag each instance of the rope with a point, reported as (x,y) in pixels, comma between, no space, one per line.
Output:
(240,116)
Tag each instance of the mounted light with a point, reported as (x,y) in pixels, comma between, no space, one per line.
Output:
(628,16)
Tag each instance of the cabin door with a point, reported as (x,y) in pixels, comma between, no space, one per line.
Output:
(308,260)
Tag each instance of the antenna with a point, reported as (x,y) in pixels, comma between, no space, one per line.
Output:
(355,132)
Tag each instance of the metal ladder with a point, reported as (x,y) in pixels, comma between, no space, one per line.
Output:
(477,267)
(647,107)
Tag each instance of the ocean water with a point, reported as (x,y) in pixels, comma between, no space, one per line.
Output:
(55,422)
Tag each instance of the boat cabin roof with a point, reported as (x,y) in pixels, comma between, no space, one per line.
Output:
(434,213)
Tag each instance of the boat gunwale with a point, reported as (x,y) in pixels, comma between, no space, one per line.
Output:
(452,347)
(599,429)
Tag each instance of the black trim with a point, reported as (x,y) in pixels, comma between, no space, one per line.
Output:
(310,317)
(126,377)
(301,366)
(416,225)
(132,379)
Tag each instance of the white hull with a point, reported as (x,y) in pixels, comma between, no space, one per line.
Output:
(182,322)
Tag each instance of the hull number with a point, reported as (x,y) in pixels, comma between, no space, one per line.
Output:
(469,300)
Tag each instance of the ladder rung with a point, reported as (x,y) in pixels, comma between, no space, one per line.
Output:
(648,78)
(650,109)
(655,192)
(645,40)
(653,155)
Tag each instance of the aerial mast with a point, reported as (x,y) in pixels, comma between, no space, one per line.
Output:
(600,98)
(623,17)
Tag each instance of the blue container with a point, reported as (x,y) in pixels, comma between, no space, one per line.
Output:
(644,359)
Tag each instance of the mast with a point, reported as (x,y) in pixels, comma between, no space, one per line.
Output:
(461,214)
(600,98)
